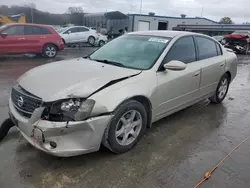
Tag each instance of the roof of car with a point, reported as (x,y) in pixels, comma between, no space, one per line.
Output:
(170,34)
(28,24)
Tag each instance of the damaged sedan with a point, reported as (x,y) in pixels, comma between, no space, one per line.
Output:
(238,41)
(113,95)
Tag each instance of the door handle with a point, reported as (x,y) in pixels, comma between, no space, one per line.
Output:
(197,73)
(21,38)
(222,64)
(42,37)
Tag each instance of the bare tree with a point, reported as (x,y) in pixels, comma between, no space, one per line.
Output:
(76,15)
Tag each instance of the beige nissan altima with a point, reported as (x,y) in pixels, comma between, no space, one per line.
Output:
(111,96)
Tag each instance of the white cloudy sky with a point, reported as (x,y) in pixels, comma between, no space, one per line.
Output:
(238,10)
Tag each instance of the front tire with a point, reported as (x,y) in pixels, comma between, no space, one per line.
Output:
(50,51)
(5,127)
(101,43)
(91,40)
(126,127)
(221,90)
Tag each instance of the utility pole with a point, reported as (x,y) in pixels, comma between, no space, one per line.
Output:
(32,15)
(140,6)
(202,11)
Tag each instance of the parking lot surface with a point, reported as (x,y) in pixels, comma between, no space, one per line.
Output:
(175,152)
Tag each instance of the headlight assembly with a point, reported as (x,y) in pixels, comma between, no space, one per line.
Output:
(71,109)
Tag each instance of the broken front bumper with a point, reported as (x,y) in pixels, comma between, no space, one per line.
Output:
(61,138)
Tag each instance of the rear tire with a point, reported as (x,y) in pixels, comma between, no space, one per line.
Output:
(247,49)
(221,90)
(126,127)
(50,51)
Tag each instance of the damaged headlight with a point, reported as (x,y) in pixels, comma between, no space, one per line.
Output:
(71,109)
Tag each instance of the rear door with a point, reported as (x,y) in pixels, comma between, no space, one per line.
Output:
(84,34)
(35,37)
(212,64)
(14,40)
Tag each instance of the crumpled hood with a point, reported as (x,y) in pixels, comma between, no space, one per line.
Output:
(77,77)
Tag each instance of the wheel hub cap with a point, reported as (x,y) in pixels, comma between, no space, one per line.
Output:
(128,127)
(223,88)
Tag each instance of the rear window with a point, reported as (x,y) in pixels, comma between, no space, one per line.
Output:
(36,30)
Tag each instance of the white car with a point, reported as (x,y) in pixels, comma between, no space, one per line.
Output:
(78,34)
(102,40)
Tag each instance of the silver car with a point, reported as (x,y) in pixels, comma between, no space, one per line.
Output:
(110,97)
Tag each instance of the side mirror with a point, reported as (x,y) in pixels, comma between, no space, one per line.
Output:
(69,32)
(3,34)
(175,65)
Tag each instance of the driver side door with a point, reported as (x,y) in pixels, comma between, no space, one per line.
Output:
(178,89)
(14,40)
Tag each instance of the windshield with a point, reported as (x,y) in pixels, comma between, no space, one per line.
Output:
(61,30)
(132,51)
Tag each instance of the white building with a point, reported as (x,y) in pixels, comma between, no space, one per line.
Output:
(138,22)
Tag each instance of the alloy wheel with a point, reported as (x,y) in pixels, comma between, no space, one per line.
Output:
(128,127)
(222,91)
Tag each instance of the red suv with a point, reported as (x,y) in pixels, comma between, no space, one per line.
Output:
(30,38)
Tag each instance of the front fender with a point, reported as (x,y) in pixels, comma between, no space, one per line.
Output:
(110,98)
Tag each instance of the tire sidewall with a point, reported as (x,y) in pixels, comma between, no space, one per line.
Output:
(101,42)
(44,50)
(218,99)
(121,110)
(93,40)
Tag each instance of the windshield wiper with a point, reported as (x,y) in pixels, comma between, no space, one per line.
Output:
(109,62)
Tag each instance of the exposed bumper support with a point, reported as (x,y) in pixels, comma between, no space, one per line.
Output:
(72,138)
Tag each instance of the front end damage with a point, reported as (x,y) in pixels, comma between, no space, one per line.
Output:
(238,43)
(62,139)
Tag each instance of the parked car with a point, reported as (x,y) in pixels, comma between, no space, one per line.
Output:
(30,38)
(111,96)
(78,34)
(238,41)
(102,40)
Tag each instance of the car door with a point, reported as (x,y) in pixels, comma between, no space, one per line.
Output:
(71,36)
(12,40)
(177,89)
(212,64)
(33,35)
(84,34)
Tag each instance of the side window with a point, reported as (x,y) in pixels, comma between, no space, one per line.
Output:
(82,29)
(219,51)
(14,30)
(73,30)
(206,48)
(36,30)
(182,50)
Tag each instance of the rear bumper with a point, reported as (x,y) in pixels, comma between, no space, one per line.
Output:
(72,138)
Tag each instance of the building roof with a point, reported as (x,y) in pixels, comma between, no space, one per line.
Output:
(172,17)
